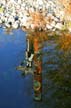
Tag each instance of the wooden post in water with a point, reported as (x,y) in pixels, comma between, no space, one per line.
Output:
(37,83)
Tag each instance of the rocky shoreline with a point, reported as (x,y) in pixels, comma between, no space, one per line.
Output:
(26,14)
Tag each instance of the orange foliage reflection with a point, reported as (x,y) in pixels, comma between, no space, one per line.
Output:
(65,42)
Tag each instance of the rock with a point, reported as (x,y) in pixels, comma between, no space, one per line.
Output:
(15,25)
(58,26)
(49,26)
(53,24)
(12,11)
(7,25)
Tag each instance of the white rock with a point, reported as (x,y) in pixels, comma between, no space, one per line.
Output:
(49,26)
(15,25)
(53,24)
(19,1)
(24,20)
(59,26)
(62,13)
(20,8)
(3,2)
(56,19)
(31,9)
(11,19)
(49,15)
(47,5)
(40,2)
(7,25)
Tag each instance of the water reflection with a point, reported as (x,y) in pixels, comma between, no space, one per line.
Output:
(34,61)
(50,65)
(54,64)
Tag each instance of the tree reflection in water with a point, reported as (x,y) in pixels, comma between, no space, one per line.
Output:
(57,83)
(55,52)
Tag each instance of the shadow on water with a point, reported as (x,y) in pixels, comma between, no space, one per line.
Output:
(16,88)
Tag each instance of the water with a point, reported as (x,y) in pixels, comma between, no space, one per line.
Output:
(16,91)
(13,88)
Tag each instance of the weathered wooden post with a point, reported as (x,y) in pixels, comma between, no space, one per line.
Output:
(37,83)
